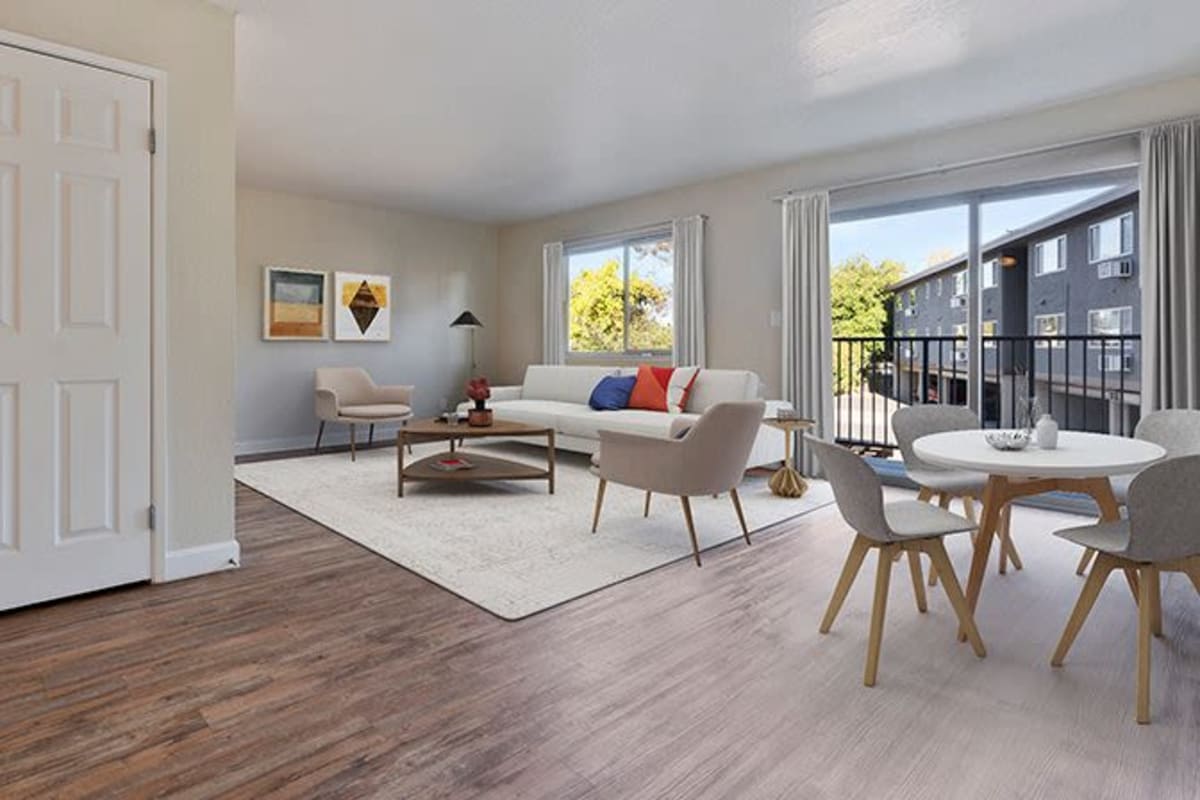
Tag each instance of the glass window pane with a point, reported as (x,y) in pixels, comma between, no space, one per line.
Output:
(597,301)
(651,285)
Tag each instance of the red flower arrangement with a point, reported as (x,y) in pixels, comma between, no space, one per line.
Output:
(478,390)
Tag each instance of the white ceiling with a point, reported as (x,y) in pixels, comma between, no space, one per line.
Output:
(507,109)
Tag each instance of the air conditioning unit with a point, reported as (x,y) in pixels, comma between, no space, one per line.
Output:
(958,301)
(911,311)
(1116,362)
(1115,268)
(960,354)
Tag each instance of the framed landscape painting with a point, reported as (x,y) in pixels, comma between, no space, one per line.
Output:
(294,304)
(363,307)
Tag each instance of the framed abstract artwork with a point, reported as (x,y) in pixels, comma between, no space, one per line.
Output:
(362,307)
(294,304)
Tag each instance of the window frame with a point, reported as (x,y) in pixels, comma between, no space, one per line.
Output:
(983,326)
(1122,311)
(1062,327)
(991,268)
(626,244)
(1126,248)
(1060,251)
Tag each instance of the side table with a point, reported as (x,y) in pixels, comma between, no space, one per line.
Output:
(787,481)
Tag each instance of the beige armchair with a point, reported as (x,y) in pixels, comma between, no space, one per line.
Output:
(348,395)
(709,458)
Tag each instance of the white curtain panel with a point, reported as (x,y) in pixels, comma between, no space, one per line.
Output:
(1170,266)
(554,304)
(688,246)
(807,323)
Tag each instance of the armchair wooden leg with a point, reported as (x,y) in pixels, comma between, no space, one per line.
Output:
(914,567)
(320,433)
(691,526)
(737,506)
(966,620)
(1084,560)
(858,551)
(352,454)
(1083,606)
(883,577)
(1145,630)
(371,435)
(646,510)
(599,503)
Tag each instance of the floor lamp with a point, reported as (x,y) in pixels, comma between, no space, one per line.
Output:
(468,320)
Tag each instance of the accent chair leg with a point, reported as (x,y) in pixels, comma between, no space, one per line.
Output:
(646,510)
(599,503)
(691,526)
(371,435)
(320,433)
(883,577)
(737,506)
(352,453)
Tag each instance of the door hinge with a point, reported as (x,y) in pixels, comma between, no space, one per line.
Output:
(152,517)
(153,141)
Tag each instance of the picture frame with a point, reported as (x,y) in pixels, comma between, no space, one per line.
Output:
(294,304)
(362,307)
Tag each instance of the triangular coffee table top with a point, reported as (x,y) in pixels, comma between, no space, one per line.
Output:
(434,426)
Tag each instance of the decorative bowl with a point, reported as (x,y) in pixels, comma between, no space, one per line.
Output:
(1007,440)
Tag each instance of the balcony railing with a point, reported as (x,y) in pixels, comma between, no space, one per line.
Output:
(1090,383)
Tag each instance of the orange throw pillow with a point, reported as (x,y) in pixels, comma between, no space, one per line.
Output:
(650,391)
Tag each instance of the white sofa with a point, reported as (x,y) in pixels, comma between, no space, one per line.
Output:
(558,396)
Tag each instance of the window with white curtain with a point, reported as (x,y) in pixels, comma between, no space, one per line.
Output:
(1112,238)
(1050,256)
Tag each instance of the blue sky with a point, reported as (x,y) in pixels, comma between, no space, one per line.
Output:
(916,238)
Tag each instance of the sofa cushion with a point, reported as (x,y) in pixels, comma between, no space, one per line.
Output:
(650,391)
(568,384)
(714,386)
(376,411)
(631,420)
(536,412)
(612,393)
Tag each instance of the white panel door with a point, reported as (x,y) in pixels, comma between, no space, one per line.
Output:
(74,328)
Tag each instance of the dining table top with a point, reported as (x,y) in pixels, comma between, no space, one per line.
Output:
(1078,455)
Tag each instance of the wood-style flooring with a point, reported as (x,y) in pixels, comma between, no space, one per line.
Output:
(319,670)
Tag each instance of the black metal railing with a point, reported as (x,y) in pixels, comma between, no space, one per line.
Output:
(1089,383)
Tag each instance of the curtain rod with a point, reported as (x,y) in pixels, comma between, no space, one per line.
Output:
(977,162)
(598,238)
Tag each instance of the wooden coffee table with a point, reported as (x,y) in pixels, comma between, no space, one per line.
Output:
(486,468)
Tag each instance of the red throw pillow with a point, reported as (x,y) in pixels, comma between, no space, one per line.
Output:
(650,391)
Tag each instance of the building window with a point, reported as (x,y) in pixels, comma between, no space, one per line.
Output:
(960,347)
(1051,325)
(928,289)
(960,283)
(1109,322)
(1050,256)
(1112,238)
(987,329)
(939,287)
(989,274)
(912,296)
(621,296)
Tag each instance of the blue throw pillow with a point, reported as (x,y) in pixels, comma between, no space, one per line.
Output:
(612,393)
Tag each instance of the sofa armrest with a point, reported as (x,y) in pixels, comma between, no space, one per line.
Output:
(393,394)
(326,404)
(500,393)
(681,426)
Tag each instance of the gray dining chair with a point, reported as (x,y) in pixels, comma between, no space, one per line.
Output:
(913,422)
(1159,535)
(1175,430)
(902,527)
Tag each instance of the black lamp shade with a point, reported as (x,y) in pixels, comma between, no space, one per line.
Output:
(466,320)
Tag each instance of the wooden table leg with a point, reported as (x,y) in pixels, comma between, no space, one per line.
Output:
(401,440)
(550,459)
(994,497)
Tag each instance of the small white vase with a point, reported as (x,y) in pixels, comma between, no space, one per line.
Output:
(1047,432)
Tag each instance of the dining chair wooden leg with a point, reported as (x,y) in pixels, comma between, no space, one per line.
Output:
(320,433)
(1084,560)
(968,503)
(1131,578)
(646,510)
(954,593)
(599,503)
(854,560)
(352,453)
(1083,606)
(691,526)
(924,494)
(1193,572)
(933,579)
(883,577)
(1145,631)
(1155,591)
(737,506)
(914,568)
(944,500)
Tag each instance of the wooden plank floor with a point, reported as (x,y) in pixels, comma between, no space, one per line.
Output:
(321,670)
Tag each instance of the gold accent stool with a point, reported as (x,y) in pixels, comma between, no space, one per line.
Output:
(787,480)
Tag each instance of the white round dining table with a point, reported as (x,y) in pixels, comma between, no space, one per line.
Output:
(1082,462)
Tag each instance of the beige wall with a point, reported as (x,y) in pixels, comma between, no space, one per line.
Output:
(743,238)
(438,266)
(193,42)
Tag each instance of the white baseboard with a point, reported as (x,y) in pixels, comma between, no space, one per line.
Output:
(333,436)
(193,561)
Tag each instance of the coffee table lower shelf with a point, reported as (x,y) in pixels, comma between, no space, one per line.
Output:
(486,468)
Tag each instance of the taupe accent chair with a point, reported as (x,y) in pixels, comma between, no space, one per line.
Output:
(348,395)
(1160,535)
(910,424)
(1175,430)
(708,458)
(904,527)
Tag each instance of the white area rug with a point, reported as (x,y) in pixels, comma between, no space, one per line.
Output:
(510,548)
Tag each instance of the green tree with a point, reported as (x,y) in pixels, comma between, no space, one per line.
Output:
(598,311)
(860,297)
